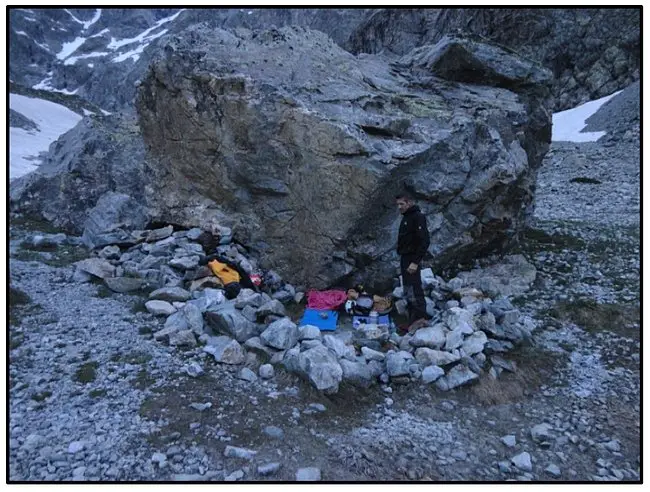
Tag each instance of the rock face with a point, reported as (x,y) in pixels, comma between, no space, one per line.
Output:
(93,178)
(304,145)
(592,52)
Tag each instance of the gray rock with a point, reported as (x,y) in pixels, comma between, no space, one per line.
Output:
(370,354)
(194,233)
(498,346)
(164,334)
(475,343)
(274,432)
(541,433)
(158,234)
(432,337)
(613,446)
(554,470)
(281,334)
(247,375)
(201,406)
(356,373)
(177,321)
(124,284)
(250,313)
(76,446)
(106,222)
(183,338)
(460,319)
(509,440)
(503,363)
(171,294)
(454,339)
(457,376)
(339,348)
(309,332)
(274,307)
(234,476)
(522,461)
(160,308)
(376,368)
(310,474)
(225,350)
(266,371)
(268,469)
(110,253)
(429,357)
(184,263)
(249,298)
(254,344)
(486,322)
(397,363)
(194,317)
(290,360)
(241,453)
(431,374)
(283,296)
(230,321)
(193,369)
(97,267)
(321,367)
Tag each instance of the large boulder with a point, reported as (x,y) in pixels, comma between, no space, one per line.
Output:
(308,136)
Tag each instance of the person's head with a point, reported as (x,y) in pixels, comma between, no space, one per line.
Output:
(404,201)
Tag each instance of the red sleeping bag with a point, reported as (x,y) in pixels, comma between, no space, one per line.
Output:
(326,299)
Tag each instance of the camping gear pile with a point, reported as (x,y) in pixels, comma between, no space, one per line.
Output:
(467,335)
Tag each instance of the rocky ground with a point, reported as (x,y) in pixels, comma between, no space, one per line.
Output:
(94,397)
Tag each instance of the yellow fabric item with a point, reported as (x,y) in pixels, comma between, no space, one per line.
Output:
(224,272)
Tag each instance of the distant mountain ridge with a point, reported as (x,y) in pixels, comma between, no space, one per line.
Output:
(91,52)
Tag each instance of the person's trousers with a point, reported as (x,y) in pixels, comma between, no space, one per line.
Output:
(413,291)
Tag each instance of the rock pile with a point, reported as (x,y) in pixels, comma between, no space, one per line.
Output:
(466,334)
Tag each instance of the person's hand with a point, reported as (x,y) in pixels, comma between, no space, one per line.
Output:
(412,268)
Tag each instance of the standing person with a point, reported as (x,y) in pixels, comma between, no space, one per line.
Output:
(412,246)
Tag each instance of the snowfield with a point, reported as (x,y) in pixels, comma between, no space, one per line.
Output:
(53,120)
(567,125)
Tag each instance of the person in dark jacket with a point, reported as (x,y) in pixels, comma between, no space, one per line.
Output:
(412,246)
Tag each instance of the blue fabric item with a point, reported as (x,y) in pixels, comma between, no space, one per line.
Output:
(313,317)
(381,320)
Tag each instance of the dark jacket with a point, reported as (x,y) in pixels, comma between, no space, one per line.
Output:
(413,238)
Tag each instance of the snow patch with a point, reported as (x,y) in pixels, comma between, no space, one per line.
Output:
(105,113)
(73,59)
(114,44)
(87,112)
(25,146)
(45,47)
(89,23)
(135,54)
(567,125)
(69,48)
(45,85)
(22,33)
